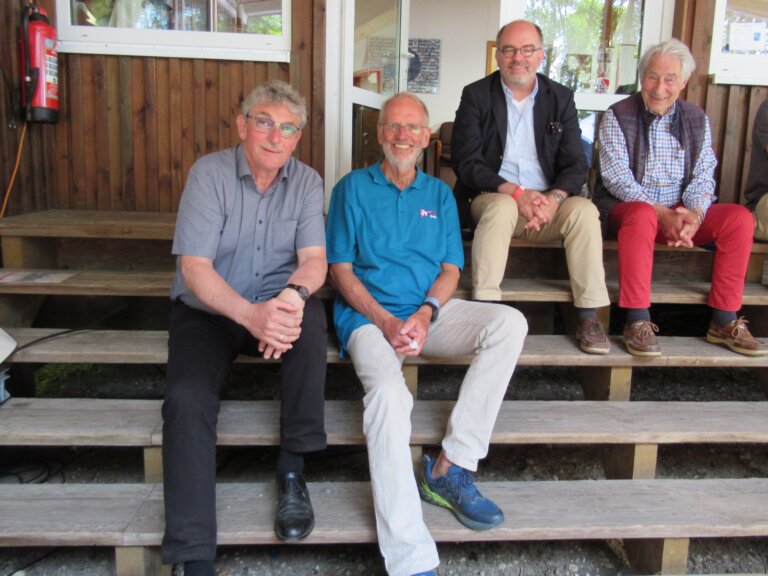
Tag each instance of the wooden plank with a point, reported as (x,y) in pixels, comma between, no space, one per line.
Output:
(77,104)
(68,514)
(735,137)
(151,347)
(128,176)
(91,224)
(132,515)
(210,118)
(535,511)
(151,135)
(112,128)
(606,383)
(91,422)
(139,131)
(176,149)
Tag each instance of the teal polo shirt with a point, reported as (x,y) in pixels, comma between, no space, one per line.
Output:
(396,240)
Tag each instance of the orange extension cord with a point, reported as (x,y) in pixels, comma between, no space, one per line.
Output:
(15,171)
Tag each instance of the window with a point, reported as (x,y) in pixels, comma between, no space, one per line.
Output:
(218,29)
(740,43)
(593,47)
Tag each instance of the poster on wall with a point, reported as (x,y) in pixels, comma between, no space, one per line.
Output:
(424,65)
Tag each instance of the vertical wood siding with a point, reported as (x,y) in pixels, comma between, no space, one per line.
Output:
(131,127)
(731,108)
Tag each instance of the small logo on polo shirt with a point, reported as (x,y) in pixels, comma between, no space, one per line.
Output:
(424,213)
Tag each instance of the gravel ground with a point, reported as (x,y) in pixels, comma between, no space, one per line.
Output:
(523,463)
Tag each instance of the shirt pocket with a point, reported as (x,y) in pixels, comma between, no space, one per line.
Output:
(281,240)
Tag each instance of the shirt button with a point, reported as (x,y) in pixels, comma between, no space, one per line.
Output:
(258,248)
(260,221)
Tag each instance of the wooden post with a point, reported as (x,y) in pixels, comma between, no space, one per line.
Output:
(153,465)
(140,561)
(631,461)
(606,382)
(658,556)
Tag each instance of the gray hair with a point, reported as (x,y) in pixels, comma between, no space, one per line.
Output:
(674,48)
(501,31)
(277,92)
(398,96)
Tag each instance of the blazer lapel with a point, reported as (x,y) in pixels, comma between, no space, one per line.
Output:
(499,108)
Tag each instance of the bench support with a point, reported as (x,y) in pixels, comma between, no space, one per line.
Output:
(153,465)
(631,461)
(140,561)
(606,382)
(658,556)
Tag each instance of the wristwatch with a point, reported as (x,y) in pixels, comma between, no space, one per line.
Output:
(434,304)
(303,292)
(558,196)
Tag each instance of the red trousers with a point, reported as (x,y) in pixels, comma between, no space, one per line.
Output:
(636,226)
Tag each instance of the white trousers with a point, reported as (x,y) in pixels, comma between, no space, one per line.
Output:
(495,335)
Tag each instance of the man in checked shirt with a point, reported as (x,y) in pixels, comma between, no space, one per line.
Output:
(656,186)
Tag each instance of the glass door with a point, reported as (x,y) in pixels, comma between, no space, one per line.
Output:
(367,62)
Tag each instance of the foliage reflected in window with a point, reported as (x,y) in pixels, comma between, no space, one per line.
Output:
(590,45)
(253,17)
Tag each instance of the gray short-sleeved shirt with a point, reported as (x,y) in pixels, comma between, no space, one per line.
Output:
(251,237)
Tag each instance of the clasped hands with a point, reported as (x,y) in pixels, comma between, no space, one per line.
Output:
(276,323)
(679,225)
(537,208)
(407,337)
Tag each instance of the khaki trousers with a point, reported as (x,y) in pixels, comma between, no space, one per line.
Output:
(494,334)
(761,219)
(576,223)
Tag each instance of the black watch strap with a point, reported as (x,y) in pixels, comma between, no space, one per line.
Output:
(303,292)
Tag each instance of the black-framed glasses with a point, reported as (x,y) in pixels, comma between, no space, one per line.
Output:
(526,51)
(266,125)
(412,129)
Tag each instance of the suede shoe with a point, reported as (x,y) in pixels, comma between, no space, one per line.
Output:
(592,338)
(295,518)
(457,492)
(640,338)
(737,337)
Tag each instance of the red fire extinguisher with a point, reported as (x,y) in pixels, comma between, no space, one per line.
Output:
(39,65)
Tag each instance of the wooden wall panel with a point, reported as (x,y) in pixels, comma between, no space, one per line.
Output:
(131,127)
(731,108)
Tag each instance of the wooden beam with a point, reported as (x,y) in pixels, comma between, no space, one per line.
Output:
(140,561)
(606,383)
(631,461)
(658,556)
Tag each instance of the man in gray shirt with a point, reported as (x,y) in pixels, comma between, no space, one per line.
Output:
(250,247)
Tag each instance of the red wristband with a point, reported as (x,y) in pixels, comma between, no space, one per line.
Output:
(517,192)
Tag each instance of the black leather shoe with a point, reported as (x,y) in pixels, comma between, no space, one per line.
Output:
(295,517)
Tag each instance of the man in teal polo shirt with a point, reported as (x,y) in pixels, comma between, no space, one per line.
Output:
(394,246)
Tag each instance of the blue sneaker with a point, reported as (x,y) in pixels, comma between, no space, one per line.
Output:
(427,573)
(457,492)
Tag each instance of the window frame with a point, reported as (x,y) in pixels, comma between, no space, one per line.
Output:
(740,69)
(76,39)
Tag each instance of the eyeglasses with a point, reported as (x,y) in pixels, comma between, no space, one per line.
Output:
(266,125)
(525,51)
(412,129)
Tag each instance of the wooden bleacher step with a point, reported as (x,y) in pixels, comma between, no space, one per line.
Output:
(631,431)
(659,515)
(158,284)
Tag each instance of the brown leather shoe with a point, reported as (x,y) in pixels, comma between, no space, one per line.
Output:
(737,337)
(592,338)
(640,338)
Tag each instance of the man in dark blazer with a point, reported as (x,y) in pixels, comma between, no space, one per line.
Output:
(516,150)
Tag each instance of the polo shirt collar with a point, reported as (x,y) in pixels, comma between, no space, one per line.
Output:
(378,177)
